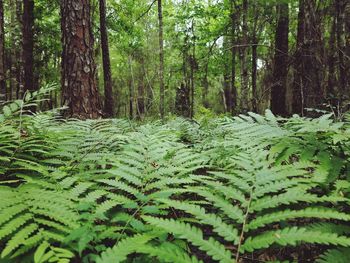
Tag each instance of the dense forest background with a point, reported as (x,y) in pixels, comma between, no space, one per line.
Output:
(152,58)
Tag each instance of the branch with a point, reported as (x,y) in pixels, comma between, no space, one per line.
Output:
(145,13)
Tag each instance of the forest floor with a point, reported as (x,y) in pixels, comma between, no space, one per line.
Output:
(248,189)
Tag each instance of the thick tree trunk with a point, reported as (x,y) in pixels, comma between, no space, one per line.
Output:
(280,69)
(309,73)
(28,44)
(161,60)
(2,54)
(107,77)
(78,67)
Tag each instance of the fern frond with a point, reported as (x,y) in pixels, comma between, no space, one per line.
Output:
(340,255)
(293,236)
(194,235)
(228,232)
(310,212)
(125,247)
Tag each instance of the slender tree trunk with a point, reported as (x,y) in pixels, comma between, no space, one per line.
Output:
(280,69)
(347,41)
(109,100)
(131,89)
(161,60)
(141,89)
(332,76)
(78,67)
(2,54)
(227,87)
(28,44)
(340,33)
(233,58)
(193,64)
(244,56)
(19,50)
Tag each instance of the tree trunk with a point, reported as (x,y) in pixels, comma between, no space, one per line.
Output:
(141,89)
(332,76)
(28,44)
(309,70)
(161,60)
(78,67)
(2,54)
(107,77)
(227,87)
(347,41)
(244,63)
(340,33)
(280,69)
(233,58)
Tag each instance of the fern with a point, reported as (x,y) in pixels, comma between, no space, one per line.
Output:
(194,235)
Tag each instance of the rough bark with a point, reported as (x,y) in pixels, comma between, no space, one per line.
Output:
(28,44)
(161,59)
(80,92)
(280,69)
(2,54)
(309,73)
(109,108)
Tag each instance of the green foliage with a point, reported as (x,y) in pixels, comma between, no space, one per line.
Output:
(219,190)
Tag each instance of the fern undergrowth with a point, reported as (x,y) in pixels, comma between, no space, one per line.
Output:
(245,189)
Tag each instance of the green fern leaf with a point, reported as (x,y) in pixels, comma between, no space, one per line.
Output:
(194,235)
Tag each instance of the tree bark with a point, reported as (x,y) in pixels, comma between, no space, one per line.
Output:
(347,41)
(233,58)
(28,44)
(244,56)
(80,92)
(309,73)
(255,42)
(161,60)
(2,54)
(227,87)
(109,109)
(340,33)
(280,69)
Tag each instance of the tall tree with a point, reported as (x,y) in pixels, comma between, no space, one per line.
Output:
(80,92)
(28,44)
(227,87)
(161,59)
(280,68)
(347,39)
(309,71)
(2,53)
(255,42)
(107,77)
(233,56)
(244,58)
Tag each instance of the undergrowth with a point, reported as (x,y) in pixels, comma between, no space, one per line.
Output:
(245,189)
